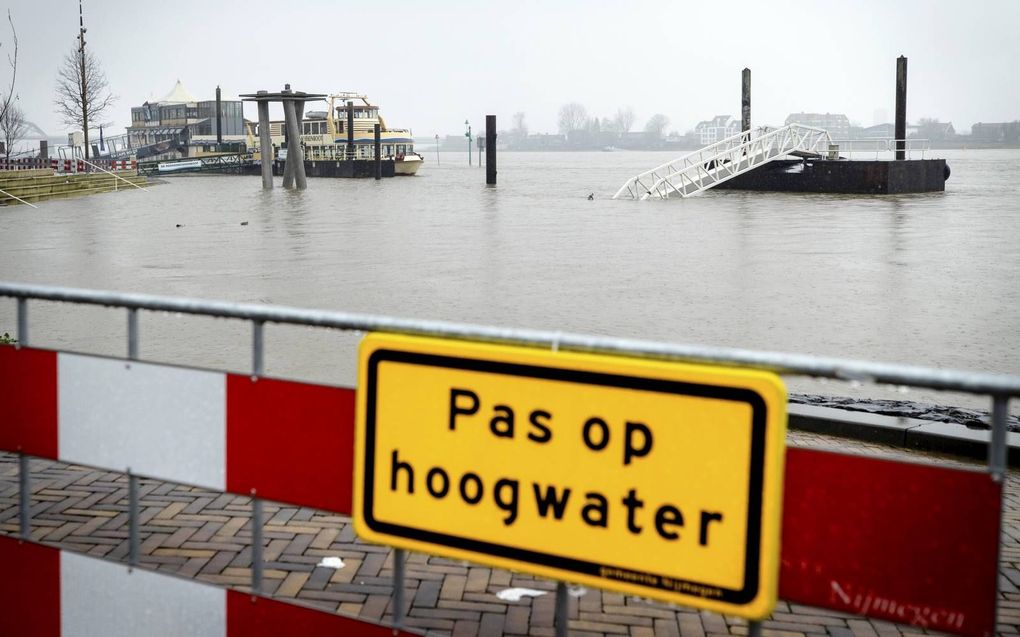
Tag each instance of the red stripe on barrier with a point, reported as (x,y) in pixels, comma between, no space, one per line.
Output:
(910,543)
(28,408)
(29,589)
(249,616)
(291,442)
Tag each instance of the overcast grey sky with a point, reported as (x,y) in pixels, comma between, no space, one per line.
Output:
(431,65)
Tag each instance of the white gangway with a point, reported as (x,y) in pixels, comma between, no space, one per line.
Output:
(725,160)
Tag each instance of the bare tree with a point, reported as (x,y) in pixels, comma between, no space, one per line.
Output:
(12,59)
(82,92)
(573,117)
(12,127)
(656,126)
(624,120)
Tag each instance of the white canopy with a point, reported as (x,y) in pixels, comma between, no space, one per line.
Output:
(179,95)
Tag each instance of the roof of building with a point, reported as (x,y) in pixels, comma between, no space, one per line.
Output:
(719,121)
(179,95)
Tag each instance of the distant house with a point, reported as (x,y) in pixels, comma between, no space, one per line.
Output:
(1001,132)
(883,131)
(716,129)
(837,124)
(934,130)
(542,141)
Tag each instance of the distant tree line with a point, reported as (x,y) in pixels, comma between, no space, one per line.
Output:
(579,130)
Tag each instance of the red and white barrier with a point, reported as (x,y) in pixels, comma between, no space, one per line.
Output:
(51,593)
(285,441)
(24,163)
(911,543)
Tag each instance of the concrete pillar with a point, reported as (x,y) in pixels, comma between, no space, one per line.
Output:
(299,167)
(745,101)
(490,150)
(266,145)
(901,107)
(288,165)
(294,169)
(378,151)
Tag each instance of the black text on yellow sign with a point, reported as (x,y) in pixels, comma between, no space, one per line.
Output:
(651,478)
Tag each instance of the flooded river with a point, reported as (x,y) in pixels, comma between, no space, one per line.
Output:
(927,279)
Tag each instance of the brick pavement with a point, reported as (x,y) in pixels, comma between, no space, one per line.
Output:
(207,536)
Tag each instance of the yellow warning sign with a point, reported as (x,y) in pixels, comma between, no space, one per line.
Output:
(651,478)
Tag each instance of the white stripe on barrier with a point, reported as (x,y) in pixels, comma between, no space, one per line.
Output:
(103,598)
(158,421)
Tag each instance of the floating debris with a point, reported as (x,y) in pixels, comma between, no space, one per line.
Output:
(515,594)
(970,418)
(332,562)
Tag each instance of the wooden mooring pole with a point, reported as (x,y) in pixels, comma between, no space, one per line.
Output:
(745,101)
(901,107)
(490,150)
(378,151)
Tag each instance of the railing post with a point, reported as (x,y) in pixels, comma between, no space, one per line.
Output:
(22,321)
(399,558)
(560,617)
(256,544)
(257,349)
(24,497)
(132,334)
(997,449)
(134,542)
(998,452)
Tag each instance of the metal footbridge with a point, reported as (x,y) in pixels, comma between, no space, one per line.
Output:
(725,160)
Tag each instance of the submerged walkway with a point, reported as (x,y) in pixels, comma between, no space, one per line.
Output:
(207,536)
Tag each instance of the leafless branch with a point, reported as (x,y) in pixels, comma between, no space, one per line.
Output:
(74,96)
(12,127)
(12,59)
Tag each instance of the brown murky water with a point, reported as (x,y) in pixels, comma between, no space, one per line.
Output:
(924,279)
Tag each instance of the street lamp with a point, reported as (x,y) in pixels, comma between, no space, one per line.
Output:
(468,135)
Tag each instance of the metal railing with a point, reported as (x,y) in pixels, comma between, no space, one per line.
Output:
(877,146)
(103,170)
(722,161)
(1000,387)
(4,192)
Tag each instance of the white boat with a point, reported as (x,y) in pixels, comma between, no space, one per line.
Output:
(324,135)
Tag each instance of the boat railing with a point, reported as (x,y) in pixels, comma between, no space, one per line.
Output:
(873,146)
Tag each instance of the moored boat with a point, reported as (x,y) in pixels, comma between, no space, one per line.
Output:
(329,135)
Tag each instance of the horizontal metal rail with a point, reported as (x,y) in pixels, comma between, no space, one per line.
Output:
(1003,385)
(873,145)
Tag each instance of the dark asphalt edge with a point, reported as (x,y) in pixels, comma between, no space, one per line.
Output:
(909,433)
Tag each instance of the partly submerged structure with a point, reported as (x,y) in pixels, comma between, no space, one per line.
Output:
(797,158)
(345,131)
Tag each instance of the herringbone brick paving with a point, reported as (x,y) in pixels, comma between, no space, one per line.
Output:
(207,536)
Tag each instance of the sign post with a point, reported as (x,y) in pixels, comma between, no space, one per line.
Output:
(651,478)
